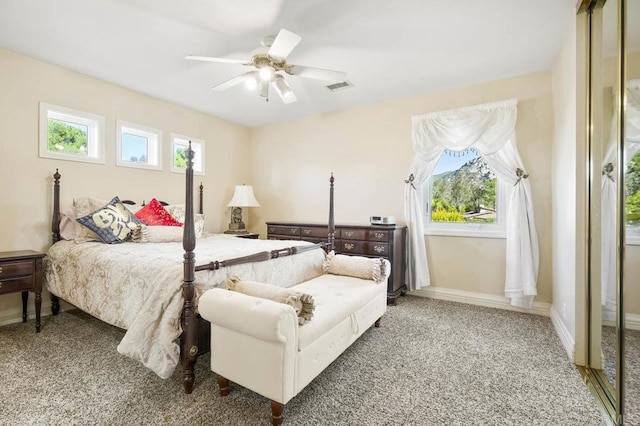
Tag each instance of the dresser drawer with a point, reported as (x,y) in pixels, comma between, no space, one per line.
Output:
(293,231)
(314,232)
(281,237)
(364,247)
(353,234)
(16,284)
(16,269)
(378,235)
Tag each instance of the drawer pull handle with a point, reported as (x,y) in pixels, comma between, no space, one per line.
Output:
(1,284)
(349,246)
(294,230)
(306,231)
(378,235)
(379,249)
(349,233)
(0,269)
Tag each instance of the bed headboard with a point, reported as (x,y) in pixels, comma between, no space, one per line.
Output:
(55,219)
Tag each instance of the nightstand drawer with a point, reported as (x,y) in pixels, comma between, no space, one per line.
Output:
(16,284)
(364,247)
(16,269)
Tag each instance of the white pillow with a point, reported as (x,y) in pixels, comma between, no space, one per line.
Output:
(178,211)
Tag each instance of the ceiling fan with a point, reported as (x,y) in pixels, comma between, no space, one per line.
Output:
(270,63)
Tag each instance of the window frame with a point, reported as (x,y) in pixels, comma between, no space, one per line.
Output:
(154,140)
(498,229)
(95,133)
(198,147)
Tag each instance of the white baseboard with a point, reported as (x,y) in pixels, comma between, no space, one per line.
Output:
(14,315)
(563,333)
(631,322)
(480,299)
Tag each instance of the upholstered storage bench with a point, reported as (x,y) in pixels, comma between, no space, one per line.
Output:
(258,343)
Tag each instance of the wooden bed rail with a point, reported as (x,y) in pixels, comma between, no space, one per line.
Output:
(258,257)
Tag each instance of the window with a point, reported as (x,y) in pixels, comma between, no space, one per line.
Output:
(464,197)
(632,183)
(138,146)
(179,145)
(68,134)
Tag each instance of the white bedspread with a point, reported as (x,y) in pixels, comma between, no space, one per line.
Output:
(138,287)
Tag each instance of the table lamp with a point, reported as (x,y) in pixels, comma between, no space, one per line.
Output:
(242,197)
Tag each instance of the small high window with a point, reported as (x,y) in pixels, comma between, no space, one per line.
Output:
(464,197)
(179,145)
(69,134)
(138,146)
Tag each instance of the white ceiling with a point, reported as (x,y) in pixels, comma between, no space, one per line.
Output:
(389,49)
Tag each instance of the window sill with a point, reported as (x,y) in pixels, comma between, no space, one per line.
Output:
(632,239)
(470,233)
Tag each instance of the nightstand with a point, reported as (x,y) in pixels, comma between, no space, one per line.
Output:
(252,236)
(22,271)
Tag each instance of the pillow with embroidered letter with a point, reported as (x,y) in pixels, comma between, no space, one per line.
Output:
(112,223)
(154,214)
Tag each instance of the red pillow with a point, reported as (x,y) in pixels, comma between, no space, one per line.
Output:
(154,214)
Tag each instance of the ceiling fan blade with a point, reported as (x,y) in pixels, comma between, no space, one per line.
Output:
(284,43)
(235,81)
(318,73)
(218,60)
(284,90)
(264,89)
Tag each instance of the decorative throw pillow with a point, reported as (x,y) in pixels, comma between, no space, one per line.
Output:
(302,303)
(157,234)
(82,206)
(178,211)
(154,214)
(375,269)
(112,223)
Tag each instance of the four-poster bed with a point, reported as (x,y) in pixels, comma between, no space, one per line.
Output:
(150,309)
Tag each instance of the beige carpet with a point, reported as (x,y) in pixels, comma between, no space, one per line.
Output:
(431,363)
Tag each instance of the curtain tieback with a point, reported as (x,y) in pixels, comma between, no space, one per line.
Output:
(607,170)
(410,181)
(521,175)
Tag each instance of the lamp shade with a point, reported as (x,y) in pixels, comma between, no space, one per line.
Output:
(243,197)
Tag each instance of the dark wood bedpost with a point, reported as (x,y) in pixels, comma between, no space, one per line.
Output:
(189,339)
(55,231)
(201,209)
(332,226)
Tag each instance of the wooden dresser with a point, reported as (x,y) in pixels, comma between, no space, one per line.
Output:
(371,241)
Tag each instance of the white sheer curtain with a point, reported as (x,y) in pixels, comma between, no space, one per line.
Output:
(609,197)
(490,130)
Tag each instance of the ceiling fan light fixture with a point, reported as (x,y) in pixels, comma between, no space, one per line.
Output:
(267,73)
(251,83)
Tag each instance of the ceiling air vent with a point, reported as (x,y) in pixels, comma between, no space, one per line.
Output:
(339,86)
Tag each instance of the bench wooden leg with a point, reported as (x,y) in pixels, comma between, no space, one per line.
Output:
(377,323)
(223,384)
(276,413)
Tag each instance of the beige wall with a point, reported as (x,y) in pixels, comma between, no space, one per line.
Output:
(369,150)
(567,226)
(26,194)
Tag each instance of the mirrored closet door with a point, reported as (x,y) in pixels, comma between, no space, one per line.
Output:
(614,206)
